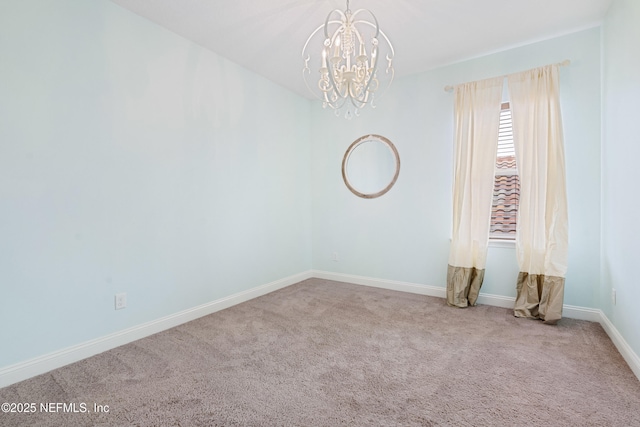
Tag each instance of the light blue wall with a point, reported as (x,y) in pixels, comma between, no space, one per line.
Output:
(132,160)
(404,235)
(621,151)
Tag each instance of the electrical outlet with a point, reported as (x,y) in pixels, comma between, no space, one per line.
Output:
(121,301)
(335,257)
(613,296)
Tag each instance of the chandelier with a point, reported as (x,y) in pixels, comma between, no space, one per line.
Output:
(348,61)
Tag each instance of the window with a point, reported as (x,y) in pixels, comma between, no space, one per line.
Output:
(506,190)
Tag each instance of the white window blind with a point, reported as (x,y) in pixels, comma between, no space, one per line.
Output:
(506,191)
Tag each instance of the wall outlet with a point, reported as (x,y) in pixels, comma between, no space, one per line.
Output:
(335,257)
(121,301)
(613,296)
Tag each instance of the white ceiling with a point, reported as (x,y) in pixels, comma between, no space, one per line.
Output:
(267,36)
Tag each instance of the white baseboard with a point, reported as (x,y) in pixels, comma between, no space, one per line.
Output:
(39,365)
(582,313)
(569,311)
(496,300)
(414,288)
(623,347)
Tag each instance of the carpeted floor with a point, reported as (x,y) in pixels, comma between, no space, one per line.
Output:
(322,353)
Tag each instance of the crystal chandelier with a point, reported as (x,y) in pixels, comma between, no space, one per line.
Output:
(348,61)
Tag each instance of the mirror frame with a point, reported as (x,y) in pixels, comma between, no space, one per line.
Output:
(355,145)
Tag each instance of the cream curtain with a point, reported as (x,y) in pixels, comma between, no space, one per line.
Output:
(542,231)
(476,115)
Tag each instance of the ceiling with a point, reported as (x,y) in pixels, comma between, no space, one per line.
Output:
(267,36)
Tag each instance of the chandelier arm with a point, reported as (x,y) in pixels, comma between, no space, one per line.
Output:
(311,36)
(334,104)
(359,104)
(373,73)
(332,90)
(334,86)
(380,32)
(333,38)
(349,92)
(358,101)
(328,21)
(390,69)
(393,53)
(306,70)
(376,26)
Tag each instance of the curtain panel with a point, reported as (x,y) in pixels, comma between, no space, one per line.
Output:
(542,231)
(476,116)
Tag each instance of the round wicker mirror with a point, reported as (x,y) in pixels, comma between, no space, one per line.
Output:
(370,166)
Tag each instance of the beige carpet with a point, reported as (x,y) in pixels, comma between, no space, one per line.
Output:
(323,353)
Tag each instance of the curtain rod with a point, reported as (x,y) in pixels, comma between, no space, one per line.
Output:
(564,63)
